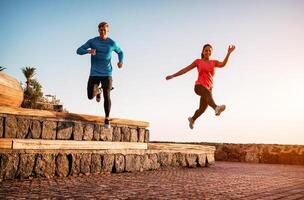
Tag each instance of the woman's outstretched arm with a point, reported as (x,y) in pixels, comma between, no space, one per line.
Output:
(230,50)
(182,71)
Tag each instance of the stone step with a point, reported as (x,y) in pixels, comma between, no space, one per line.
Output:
(40,124)
(17,164)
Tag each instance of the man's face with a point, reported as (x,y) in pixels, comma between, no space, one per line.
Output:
(103,31)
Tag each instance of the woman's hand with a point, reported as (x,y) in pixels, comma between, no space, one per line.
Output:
(231,48)
(169,77)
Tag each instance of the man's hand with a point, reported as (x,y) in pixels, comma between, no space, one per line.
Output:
(119,65)
(92,52)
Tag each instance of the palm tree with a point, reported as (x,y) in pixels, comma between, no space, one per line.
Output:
(2,68)
(33,89)
(29,73)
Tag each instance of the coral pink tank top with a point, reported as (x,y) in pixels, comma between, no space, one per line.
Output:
(206,72)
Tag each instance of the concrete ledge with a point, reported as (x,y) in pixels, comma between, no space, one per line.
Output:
(67,144)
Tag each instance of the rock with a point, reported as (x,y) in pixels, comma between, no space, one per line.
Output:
(96,163)
(145,162)
(119,164)
(97,132)
(85,163)
(49,130)
(133,135)
(141,134)
(210,159)
(147,136)
(154,161)
(117,134)
(8,165)
(45,165)
(165,159)
(252,157)
(179,159)
(26,165)
(64,130)
(133,163)
(202,160)
(75,164)
(108,163)
(77,131)
(106,134)
(22,127)
(126,134)
(1,127)
(88,132)
(62,165)
(10,127)
(35,129)
(191,160)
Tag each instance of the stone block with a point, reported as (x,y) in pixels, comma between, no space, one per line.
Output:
(165,159)
(10,127)
(119,164)
(179,160)
(107,163)
(75,170)
(35,129)
(23,126)
(106,134)
(26,165)
(191,160)
(88,132)
(126,134)
(117,134)
(45,165)
(49,130)
(133,135)
(210,158)
(147,135)
(133,163)
(96,163)
(154,164)
(202,160)
(97,132)
(8,165)
(77,131)
(85,163)
(1,127)
(141,135)
(62,165)
(64,130)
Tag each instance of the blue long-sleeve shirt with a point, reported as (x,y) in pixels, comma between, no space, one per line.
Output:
(101,62)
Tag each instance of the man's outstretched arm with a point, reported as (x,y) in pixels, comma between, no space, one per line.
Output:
(84,49)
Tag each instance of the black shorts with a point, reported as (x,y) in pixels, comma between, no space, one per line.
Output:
(106,84)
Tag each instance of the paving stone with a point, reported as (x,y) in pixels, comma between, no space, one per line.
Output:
(224,180)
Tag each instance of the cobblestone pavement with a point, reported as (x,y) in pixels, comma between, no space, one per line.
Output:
(225,180)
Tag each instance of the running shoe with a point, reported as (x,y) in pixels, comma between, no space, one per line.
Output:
(219,109)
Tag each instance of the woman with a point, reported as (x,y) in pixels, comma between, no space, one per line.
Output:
(203,85)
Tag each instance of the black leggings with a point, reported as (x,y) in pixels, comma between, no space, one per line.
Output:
(206,99)
(106,84)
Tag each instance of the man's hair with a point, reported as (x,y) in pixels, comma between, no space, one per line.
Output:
(103,24)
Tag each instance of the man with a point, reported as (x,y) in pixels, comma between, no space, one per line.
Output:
(101,49)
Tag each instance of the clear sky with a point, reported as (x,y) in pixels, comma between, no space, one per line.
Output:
(262,84)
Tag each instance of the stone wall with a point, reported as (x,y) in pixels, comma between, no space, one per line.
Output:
(259,153)
(32,163)
(29,127)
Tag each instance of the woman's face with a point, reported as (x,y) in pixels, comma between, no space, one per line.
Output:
(207,52)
